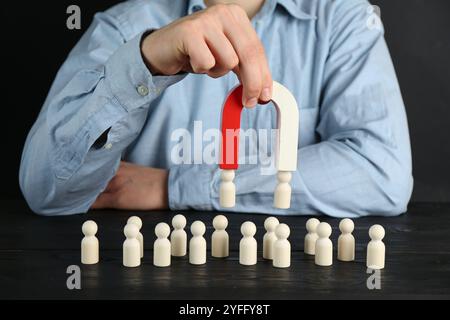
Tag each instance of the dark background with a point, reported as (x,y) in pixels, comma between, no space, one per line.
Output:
(35,41)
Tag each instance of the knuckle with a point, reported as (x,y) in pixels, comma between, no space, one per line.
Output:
(197,69)
(190,26)
(202,67)
(231,62)
(249,53)
(218,9)
(253,89)
(236,9)
(209,63)
(217,73)
(206,65)
(173,69)
(268,80)
(206,19)
(228,10)
(258,47)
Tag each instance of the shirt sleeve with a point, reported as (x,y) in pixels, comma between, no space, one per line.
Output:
(362,164)
(104,87)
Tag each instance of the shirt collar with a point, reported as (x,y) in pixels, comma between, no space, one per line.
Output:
(293,7)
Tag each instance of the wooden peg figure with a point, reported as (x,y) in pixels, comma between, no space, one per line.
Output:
(286,151)
(138,223)
(131,247)
(324,246)
(178,237)
(346,241)
(282,195)
(227,192)
(161,246)
(219,238)
(89,244)
(248,245)
(311,237)
(282,247)
(287,142)
(376,249)
(197,244)
(270,224)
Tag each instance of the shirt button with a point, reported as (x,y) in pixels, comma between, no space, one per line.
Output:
(108,146)
(142,90)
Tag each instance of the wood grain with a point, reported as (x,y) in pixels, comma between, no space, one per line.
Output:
(35,252)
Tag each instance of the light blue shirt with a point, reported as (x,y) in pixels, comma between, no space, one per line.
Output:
(354,156)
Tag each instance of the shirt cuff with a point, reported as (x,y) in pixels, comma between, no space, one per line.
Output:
(190,187)
(130,81)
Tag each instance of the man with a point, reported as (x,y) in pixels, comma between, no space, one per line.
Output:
(145,69)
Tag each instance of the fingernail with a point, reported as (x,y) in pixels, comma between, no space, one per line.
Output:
(265,95)
(251,102)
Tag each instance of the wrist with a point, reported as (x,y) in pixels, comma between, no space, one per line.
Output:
(146,52)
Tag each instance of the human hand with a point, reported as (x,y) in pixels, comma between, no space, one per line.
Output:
(213,41)
(135,187)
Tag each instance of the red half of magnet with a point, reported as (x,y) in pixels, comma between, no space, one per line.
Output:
(231,125)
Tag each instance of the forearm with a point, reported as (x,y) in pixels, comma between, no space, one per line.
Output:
(63,169)
(64,166)
(333,178)
(353,178)
(48,192)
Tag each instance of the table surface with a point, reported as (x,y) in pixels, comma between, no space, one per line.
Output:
(35,252)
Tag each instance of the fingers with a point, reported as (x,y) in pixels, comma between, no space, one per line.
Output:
(221,39)
(209,50)
(253,67)
(267,83)
(225,56)
(201,58)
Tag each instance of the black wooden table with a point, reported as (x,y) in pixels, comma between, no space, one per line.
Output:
(36,251)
